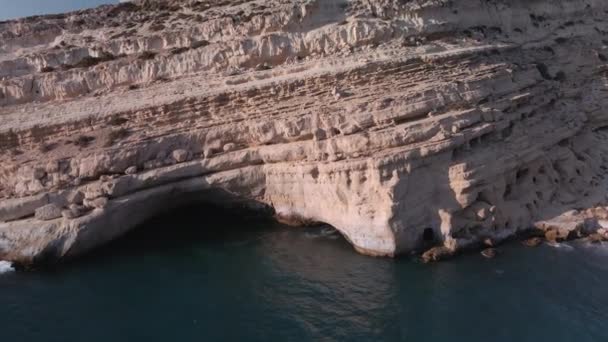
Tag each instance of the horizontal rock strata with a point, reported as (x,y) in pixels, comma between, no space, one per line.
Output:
(403,124)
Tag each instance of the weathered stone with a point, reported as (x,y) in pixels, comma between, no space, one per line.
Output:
(601,213)
(52,166)
(489,253)
(131,170)
(94,190)
(98,203)
(75,197)
(21,207)
(208,153)
(552,236)
(39,173)
(74,211)
(596,238)
(48,212)
(337,93)
(152,164)
(568,234)
(229,147)
(532,242)
(436,254)
(180,155)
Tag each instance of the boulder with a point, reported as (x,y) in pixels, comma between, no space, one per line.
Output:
(229,147)
(489,253)
(48,212)
(437,253)
(94,190)
(97,203)
(75,197)
(180,155)
(532,242)
(74,211)
(600,213)
(131,170)
(596,238)
(552,235)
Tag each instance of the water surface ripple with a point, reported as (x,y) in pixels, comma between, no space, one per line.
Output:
(181,278)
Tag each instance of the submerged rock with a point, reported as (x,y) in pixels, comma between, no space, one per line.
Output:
(532,242)
(489,253)
(437,253)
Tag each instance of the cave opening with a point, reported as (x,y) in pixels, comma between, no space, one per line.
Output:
(194,227)
(194,222)
(428,235)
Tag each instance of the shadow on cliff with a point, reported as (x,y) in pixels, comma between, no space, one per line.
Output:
(187,225)
(196,226)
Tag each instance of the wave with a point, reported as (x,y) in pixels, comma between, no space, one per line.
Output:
(6,267)
(325,232)
(562,245)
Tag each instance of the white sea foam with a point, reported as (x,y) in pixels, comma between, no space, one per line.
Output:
(6,267)
(564,246)
(326,232)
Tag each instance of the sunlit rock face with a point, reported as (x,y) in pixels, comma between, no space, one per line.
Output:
(400,123)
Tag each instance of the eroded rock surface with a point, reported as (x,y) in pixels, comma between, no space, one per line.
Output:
(403,124)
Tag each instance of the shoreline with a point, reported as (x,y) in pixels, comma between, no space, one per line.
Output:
(532,238)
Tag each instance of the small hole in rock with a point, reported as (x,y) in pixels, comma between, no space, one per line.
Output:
(428,235)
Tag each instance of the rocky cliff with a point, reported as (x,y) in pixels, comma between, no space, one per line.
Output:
(402,123)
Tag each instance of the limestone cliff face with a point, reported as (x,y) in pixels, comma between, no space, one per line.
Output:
(394,121)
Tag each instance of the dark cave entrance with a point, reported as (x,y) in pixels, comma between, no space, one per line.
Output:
(195,222)
(193,225)
(428,236)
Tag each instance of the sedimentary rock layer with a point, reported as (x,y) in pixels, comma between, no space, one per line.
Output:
(403,124)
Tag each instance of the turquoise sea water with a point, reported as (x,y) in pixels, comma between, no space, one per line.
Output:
(187,277)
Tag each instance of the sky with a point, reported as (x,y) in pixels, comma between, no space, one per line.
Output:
(21,8)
